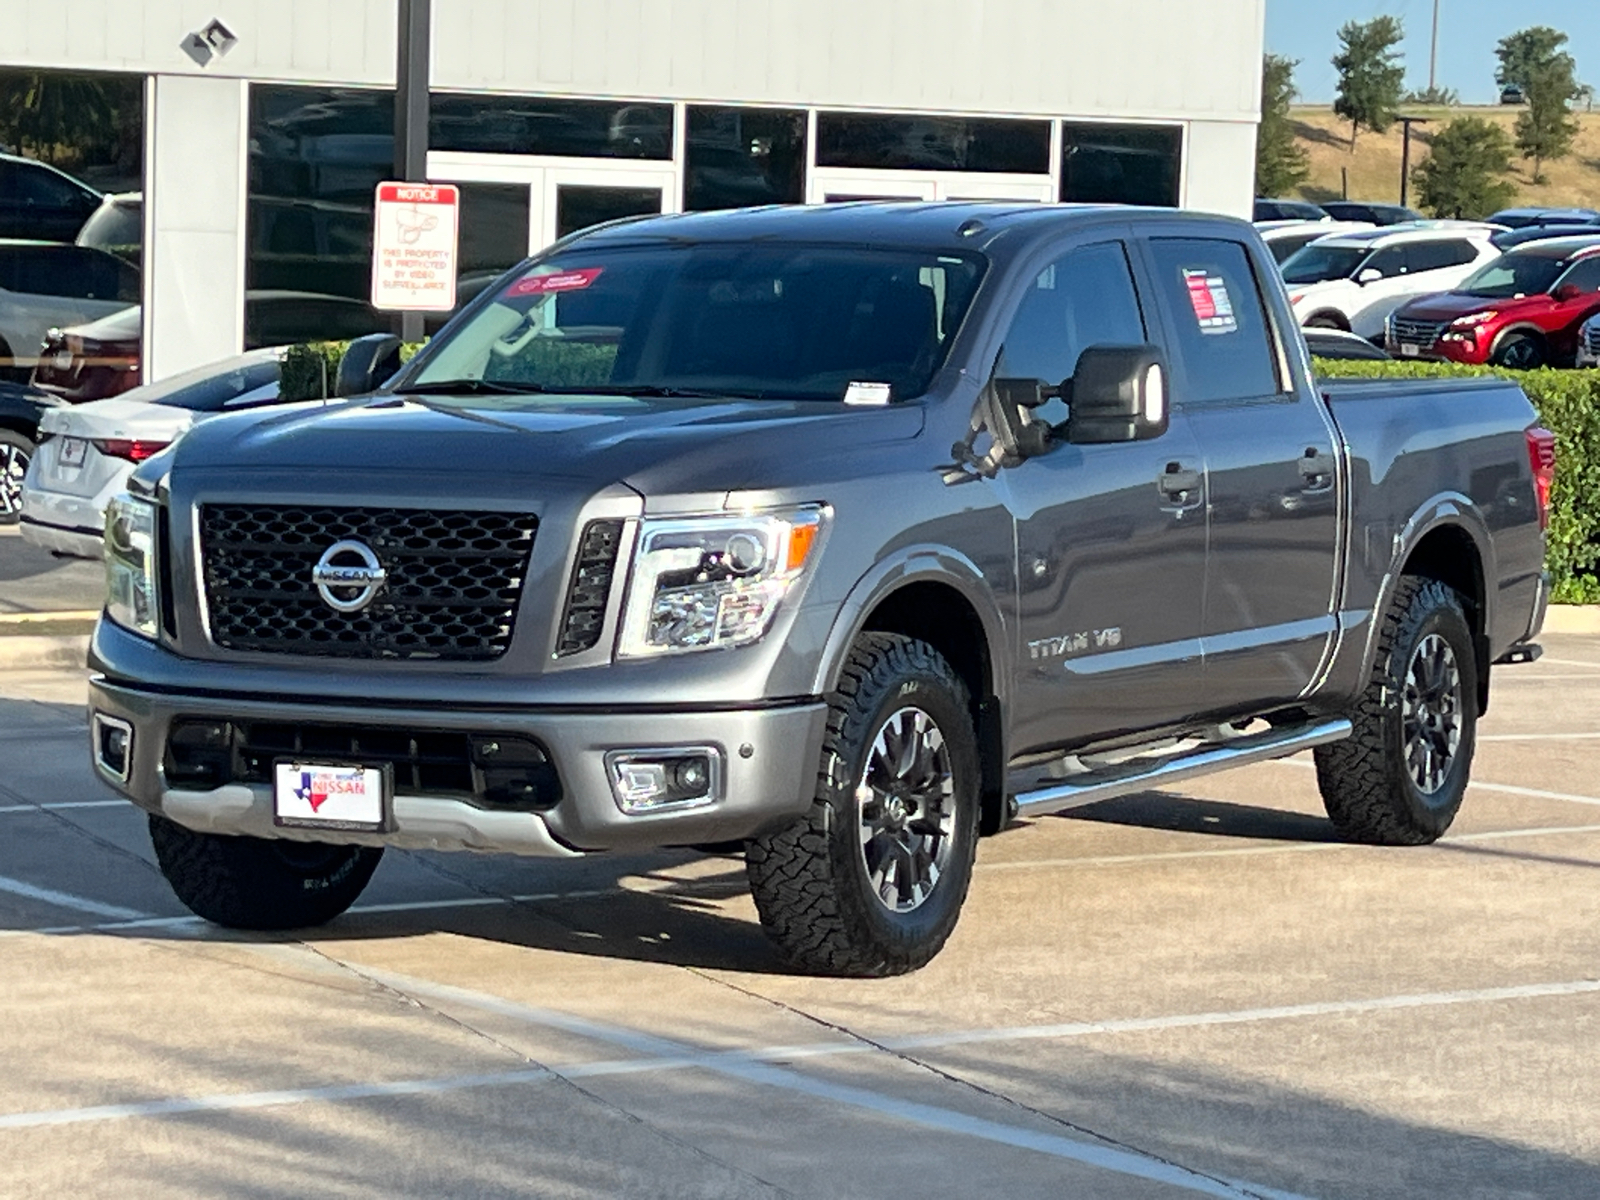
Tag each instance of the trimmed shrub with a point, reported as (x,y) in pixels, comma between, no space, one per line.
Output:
(1569,406)
(311,368)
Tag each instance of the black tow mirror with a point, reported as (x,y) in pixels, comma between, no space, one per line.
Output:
(367,362)
(1116,394)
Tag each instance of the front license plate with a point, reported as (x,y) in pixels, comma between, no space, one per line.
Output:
(329,795)
(1407,350)
(73,451)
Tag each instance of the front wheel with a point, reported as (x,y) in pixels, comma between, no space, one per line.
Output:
(16,451)
(871,881)
(1399,778)
(1520,352)
(260,883)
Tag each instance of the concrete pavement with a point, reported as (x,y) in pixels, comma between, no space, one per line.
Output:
(1189,992)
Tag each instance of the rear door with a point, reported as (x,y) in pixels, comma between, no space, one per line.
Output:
(1569,315)
(1269,460)
(1111,539)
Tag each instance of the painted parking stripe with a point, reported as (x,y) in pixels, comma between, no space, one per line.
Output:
(63,804)
(66,900)
(1537,737)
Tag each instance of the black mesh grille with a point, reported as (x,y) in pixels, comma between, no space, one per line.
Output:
(591,584)
(454,579)
(1422,334)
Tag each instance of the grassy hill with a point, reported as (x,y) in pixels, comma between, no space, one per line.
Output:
(1374,166)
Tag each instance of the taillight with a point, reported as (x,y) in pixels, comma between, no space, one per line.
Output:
(132,449)
(1542,458)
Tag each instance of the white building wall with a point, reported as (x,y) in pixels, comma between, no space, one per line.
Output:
(1220,167)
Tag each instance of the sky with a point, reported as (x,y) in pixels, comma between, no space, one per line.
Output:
(1468,31)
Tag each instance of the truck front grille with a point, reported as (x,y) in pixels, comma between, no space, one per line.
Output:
(453,580)
(591,586)
(1421,334)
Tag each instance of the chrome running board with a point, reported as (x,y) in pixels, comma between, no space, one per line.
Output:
(1140,773)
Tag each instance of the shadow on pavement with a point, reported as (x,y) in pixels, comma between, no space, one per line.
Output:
(1220,818)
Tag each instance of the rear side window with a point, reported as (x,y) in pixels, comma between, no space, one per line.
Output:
(38,186)
(76,272)
(1585,274)
(1083,299)
(1436,256)
(1224,346)
(1390,262)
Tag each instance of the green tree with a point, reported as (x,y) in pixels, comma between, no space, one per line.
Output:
(1281,164)
(1433,97)
(1464,176)
(1371,74)
(53,115)
(1546,127)
(1524,52)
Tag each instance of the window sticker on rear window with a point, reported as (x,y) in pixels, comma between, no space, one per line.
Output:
(1213,307)
(560,281)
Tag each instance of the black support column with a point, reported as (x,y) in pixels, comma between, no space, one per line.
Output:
(411,114)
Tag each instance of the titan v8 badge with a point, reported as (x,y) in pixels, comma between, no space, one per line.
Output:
(1076,643)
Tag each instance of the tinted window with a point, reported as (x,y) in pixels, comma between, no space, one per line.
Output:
(1585,274)
(761,320)
(1224,346)
(1435,256)
(494,227)
(1393,261)
(64,271)
(1121,164)
(546,125)
(45,188)
(213,393)
(931,143)
(1084,299)
(740,156)
(1345,211)
(1282,248)
(1314,263)
(1516,274)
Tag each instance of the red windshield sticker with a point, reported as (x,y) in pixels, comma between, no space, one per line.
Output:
(561,281)
(1213,307)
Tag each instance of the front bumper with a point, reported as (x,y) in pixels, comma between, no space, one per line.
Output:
(77,541)
(769,758)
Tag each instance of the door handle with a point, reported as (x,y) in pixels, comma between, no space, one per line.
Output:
(1178,482)
(1316,469)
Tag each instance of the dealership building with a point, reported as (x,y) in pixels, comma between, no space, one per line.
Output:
(266,124)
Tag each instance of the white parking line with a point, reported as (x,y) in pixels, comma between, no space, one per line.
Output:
(22,808)
(1564,662)
(65,900)
(1536,737)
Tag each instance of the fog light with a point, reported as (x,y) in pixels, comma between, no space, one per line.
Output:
(645,781)
(113,746)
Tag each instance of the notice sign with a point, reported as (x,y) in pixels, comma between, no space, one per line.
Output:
(1213,307)
(414,246)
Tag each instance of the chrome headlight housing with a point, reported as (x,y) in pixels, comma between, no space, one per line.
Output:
(700,583)
(131,580)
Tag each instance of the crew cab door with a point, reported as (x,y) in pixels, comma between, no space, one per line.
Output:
(1271,470)
(1110,539)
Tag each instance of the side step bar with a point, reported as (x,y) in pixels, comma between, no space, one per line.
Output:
(1138,774)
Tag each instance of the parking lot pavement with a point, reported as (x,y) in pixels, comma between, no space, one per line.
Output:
(35,580)
(1188,992)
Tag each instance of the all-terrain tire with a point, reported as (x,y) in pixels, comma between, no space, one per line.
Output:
(257,883)
(811,879)
(1369,781)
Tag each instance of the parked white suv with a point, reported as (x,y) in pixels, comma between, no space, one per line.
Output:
(1285,238)
(1355,280)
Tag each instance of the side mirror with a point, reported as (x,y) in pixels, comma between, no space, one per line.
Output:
(1566,292)
(366,363)
(1369,275)
(1117,394)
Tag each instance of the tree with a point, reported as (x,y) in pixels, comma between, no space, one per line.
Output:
(1524,52)
(1534,60)
(1281,164)
(1371,74)
(1463,177)
(1433,97)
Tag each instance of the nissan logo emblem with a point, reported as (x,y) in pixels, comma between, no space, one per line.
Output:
(348,576)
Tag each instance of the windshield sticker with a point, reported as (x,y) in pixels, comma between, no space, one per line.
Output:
(867,393)
(1213,307)
(561,281)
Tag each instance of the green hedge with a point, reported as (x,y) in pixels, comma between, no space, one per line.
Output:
(310,368)
(1569,405)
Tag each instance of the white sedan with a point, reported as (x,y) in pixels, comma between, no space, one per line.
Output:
(87,451)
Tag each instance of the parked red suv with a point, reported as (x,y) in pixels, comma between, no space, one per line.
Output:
(1521,310)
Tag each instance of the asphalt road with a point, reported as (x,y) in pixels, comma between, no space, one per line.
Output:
(34,580)
(1189,992)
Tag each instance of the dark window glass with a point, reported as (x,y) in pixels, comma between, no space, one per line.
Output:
(740,156)
(66,271)
(928,143)
(494,227)
(1316,263)
(1396,260)
(1516,274)
(547,125)
(49,190)
(768,320)
(1435,256)
(1120,164)
(1224,345)
(214,392)
(578,206)
(316,157)
(1085,299)
(1584,274)
(1283,247)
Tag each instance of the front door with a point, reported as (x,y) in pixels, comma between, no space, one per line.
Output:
(1111,539)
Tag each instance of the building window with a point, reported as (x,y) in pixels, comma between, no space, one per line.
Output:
(742,156)
(904,142)
(548,126)
(1120,164)
(316,158)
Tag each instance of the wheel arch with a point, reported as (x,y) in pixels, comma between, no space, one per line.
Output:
(1516,330)
(1338,319)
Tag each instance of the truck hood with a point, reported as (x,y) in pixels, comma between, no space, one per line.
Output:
(1447,306)
(655,446)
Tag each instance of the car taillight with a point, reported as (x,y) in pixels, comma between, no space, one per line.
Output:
(132,449)
(1542,458)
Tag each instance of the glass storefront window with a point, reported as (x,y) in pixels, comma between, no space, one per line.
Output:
(550,126)
(739,156)
(1120,164)
(906,142)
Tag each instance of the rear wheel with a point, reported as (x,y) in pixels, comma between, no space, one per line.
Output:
(260,883)
(1399,778)
(1324,320)
(872,879)
(16,452)
(1520,352)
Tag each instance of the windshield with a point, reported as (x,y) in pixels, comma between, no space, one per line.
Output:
(1316,263)
(1514,275)
(780,321)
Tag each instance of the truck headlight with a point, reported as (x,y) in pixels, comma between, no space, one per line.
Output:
(131,599)
(703,582)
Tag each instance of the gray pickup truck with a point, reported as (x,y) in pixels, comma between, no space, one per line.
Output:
(844,535)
